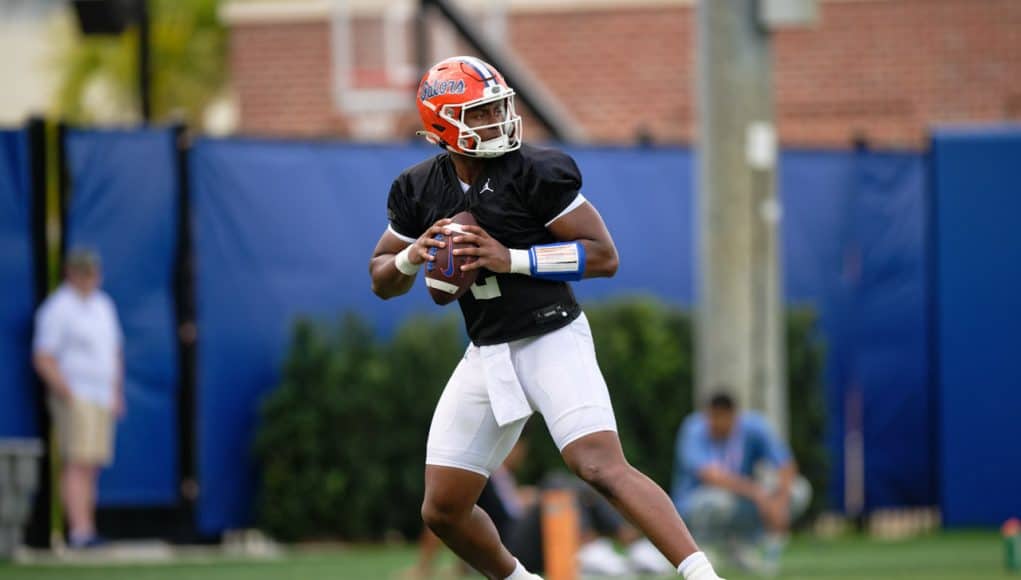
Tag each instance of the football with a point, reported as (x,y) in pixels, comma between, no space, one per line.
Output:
(444,278)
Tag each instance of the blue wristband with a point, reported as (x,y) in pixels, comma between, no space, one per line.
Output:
(562,261)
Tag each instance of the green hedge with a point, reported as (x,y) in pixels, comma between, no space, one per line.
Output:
(342,441)
(807,403)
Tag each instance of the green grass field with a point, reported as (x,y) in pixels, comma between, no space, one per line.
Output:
(959,556)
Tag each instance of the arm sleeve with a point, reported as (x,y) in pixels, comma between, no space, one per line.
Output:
(777,451)
(692,453)
(47,329)
(118,330)
(554,183)
(400,211)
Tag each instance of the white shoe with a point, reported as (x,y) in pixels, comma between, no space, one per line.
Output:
(753,559)
(646,559)
(600,559)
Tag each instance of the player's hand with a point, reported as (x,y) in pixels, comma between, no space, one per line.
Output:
(775,512)
(763,503)
(419,252)
(119,407)
(782,512)
(62,392)
(489,253)
(759,497)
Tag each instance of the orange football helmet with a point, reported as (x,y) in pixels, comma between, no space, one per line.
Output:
(455,86)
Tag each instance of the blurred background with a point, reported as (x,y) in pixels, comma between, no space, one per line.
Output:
(816,203)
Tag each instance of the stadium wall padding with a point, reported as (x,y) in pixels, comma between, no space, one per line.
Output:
(124,204)
(18,391)
(854,247)
(977,254)
(284,229)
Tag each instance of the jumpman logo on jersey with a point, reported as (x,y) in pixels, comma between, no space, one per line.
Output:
(485,188)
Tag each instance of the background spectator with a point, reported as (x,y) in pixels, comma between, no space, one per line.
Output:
(78,353)
(736,484)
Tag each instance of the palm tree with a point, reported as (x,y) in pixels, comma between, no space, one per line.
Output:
(188,52)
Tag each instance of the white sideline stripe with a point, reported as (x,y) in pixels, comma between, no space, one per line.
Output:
(441,285)
(401,236)
(574,205)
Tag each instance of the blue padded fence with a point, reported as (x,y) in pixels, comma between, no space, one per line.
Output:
(124,204)
(977,255)
(18,394)
(283,229)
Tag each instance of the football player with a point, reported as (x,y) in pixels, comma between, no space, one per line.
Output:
(531,348)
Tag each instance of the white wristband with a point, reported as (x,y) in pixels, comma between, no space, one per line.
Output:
(521,262)
(403,264)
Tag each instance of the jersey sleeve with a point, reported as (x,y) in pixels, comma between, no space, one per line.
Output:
(692,453)
(402,214)
(115,320)
(554,184)
(47,329)
(775,449)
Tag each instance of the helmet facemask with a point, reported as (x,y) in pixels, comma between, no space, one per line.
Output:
(469,140)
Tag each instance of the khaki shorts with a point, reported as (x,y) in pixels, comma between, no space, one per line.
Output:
(84,431)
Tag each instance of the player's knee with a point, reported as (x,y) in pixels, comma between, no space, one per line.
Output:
(602,474)
(434,518)
(440,515)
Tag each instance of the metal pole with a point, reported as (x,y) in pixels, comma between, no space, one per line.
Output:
(38,533)
(144,64)
(423,55)
(739,330)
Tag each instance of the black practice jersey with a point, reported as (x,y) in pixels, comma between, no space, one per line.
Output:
(513,199)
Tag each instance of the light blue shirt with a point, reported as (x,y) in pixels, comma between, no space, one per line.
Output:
(751,441)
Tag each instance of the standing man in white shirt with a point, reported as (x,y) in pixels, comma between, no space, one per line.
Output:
(78,353)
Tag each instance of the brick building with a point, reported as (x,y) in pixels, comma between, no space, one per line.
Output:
(882,69)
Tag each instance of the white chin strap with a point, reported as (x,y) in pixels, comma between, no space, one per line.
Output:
(494,147)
